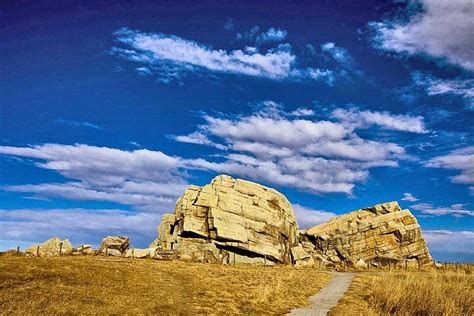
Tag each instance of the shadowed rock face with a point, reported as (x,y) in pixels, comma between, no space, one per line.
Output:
(382,234)
(230,220)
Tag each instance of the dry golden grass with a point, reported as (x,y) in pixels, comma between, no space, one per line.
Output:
(98,285)
(431,292)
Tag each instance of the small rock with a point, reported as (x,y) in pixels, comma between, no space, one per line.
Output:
(114,245)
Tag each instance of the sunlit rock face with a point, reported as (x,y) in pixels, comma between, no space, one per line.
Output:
(233,220)
(230,220)
(383,234)
(50,248)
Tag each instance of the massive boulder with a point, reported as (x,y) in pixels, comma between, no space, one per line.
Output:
(50,248)
(114,245)
(380,235)
(230,220)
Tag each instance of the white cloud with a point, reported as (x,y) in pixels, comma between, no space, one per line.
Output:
(450,241)
(105,174)
(85,226)
(442,29)
(276,147)
(339,54)
(249,35)
(361,119)
(197,138)
(229,24)
(457,210)
(463,88)
(78,124)
(409,197)
(270,145)
(172,56)
(307,217)
(303,112)
(462,160)
(271,35)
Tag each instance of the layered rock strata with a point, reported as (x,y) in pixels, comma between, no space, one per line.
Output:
(380,235)
(230,220)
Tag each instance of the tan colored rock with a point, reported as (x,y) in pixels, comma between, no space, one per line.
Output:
(83,250)
(114,245)
(230,216)
(50,248)
(360,264)
(140,253)
(382,234)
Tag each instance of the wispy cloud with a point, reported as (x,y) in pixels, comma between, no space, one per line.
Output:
(268,36)
(422,34)
(172,57)
(463,88)
(450,241)
(26,226)
(460,159)
(345,62)
(303,112)
(409,197)
(272,35)
(361,119)
(457,210)
(78,124)
(145,179)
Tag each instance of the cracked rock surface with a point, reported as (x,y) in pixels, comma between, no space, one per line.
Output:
(231,220)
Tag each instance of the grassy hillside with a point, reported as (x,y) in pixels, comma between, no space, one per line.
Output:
(112,285)
(435,292)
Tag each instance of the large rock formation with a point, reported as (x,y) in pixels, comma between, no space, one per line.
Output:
(230,220)
(50,248)
(233,220)
(383,234)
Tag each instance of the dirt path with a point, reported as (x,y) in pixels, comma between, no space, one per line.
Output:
(328,297)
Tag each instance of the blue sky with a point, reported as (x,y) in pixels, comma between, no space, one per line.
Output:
(109,110)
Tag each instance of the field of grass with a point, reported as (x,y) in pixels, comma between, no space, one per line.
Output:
(99,285)
(433,292)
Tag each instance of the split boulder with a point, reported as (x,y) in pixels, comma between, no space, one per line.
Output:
(114,245)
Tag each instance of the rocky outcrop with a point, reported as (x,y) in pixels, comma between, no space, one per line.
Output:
(50,248)
(114,245)
(230,220)
(380,235)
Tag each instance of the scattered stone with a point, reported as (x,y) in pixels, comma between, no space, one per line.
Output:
(50,248)
(114,245)
(83,250)
(140,253)
(360,264)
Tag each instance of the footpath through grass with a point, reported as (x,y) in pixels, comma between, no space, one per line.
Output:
(98,285)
